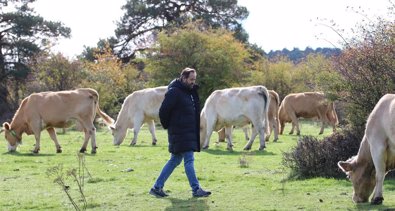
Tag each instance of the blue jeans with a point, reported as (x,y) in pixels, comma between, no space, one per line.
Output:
(171,164)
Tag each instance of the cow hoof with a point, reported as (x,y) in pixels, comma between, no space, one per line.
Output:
(247,148)
(320,133)
(275,140)
(93,151)
(298,133)
(132,144)
(377,201)
(205,147)
(59,151)
(35,151)
(262,148)
(153,143)
(82,150)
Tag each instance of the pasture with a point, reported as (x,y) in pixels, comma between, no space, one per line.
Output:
(261,183)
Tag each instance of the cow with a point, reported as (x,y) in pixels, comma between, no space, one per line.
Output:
(140,107)
(376,155)
(235,107)
(274,124)
(50,110)
(307,105)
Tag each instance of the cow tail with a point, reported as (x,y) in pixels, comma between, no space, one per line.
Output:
(265,94)
(107,119)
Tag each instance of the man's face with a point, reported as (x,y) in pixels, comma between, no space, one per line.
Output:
(190,81)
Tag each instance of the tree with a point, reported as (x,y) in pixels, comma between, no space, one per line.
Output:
(143,19)
(112,79)
(368,69)
(55,72)
(277,76)
(23,34)
(216,55)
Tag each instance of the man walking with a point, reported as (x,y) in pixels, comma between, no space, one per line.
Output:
(180,115)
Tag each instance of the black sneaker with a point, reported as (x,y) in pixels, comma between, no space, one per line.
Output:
(158,192)
(201,193)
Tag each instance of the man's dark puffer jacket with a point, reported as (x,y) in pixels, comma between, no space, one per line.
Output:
(180,115)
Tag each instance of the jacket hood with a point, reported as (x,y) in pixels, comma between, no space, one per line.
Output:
(178,84)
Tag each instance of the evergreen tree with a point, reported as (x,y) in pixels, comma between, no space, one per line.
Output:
(23,34)
(144,18)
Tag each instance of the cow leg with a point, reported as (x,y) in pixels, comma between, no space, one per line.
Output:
(221,135)
(208,136)
(228,135)
(86,139)
(209,130)
(258,127)
(52,134)
(295,123)
(262,145)
(282,125)
(378,156)
(37,146)
(322,128)
(36,128)
(90,131)
(93,139)
(245,130)
(275,128)
(292,129)
(269,132)
(252,138)
(323,120)
(136,129)
(151,128)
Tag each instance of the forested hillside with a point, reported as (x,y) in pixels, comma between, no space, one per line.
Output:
(296,55)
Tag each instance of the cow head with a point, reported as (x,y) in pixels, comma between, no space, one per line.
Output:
(362,177)
(118,134)
(12,137)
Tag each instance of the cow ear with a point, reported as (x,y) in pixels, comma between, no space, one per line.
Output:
(6,126)
(345,166)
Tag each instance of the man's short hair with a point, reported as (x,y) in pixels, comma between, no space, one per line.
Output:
(185,72)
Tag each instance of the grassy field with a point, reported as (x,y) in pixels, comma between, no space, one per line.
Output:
(260,184)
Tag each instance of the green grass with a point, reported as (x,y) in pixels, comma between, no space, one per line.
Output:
(262,184)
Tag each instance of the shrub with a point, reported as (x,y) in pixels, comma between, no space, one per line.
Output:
(315,158)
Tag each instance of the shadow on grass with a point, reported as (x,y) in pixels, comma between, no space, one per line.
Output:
(27,154)
(368,206)
(226,152)
(188,204)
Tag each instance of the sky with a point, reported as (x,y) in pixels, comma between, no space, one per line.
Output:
(272,24)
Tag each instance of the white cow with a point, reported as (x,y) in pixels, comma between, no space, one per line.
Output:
(235,107)
(376,155)
(138,108)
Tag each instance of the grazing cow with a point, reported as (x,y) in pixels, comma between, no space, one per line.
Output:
(272,115)
(49,110)
(235,107)
(139,107)
(307,105)
(376,155)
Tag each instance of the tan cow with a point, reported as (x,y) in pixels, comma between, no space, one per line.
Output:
(235,107)
(307,105)
(49,110)
(376,155)
(138,108)
(274,124)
